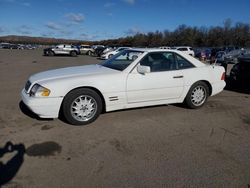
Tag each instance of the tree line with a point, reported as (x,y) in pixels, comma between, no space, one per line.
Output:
(218,36)
(226,35)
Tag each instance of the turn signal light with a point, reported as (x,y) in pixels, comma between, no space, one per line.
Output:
(45,92)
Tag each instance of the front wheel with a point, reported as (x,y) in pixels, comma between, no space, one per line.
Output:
(51,53)
(73,54)
(82,106)
(197,95)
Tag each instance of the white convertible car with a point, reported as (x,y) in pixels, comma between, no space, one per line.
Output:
(131,78)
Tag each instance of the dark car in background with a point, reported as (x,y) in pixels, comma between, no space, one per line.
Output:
(232,56)
(228,49)
(5,45)
(98,51)
(240,73)
(203,54)
(219,57)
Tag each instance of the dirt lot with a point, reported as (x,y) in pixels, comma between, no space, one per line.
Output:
(163,146)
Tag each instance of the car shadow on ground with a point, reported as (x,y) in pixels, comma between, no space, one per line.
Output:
(25,110)
(9,169)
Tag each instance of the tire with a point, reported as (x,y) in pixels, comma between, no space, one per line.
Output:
(89,53)
(84,113)
(197,95)
(51,53)
(110,55)
(73,53)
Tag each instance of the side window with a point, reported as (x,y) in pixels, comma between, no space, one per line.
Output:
(121,49)
(159,61)
(182,49)
(183,63)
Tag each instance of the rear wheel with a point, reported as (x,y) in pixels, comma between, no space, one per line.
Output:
(82,106)
(197,95)
(110,56)
(89,53)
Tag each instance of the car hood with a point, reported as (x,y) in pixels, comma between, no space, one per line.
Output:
(85,70)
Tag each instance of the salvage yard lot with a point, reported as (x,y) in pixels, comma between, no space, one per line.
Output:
(162,146)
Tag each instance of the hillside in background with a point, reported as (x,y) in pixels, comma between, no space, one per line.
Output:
(38,40)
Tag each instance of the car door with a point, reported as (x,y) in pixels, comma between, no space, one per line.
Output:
(58,49)
(66,49)
(163,82)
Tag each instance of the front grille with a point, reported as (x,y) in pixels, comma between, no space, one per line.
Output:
(27,86)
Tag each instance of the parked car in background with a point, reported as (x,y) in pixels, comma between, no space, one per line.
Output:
(240,73)
(5,45)
(203,54)
(30,47)
(109,54)
(219,57)
(108,49)
(186,49)
(132,78)
(165,47)
(98,51)
(98,46)
(14,46)
(232,56)
(86,50)
(228,49)
(62,49)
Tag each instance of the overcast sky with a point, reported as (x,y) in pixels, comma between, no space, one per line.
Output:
(100,19)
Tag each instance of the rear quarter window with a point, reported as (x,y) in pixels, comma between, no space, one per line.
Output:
(182,63)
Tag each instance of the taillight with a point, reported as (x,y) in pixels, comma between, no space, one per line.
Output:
(223,76)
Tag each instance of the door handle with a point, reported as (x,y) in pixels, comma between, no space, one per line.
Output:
(178,77)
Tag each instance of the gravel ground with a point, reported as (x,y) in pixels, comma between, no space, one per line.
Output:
(162,146)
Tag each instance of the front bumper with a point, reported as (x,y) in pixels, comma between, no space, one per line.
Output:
(48,107)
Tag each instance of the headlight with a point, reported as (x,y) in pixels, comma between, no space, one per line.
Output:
(39,91)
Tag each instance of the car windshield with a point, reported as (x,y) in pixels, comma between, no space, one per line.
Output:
(122,60)
(235,52)
(219,54)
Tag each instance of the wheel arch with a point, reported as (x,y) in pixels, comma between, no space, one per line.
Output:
(92,88)
(209,86)
(188,97)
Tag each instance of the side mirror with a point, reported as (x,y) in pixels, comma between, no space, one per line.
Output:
(143,69)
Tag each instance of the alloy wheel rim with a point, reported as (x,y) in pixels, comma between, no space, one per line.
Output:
(198,95)
(83,108)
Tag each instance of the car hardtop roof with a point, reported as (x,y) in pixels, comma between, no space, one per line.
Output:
(64,45)
(123,47)
(153,50)
(181,47)
(190,58)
